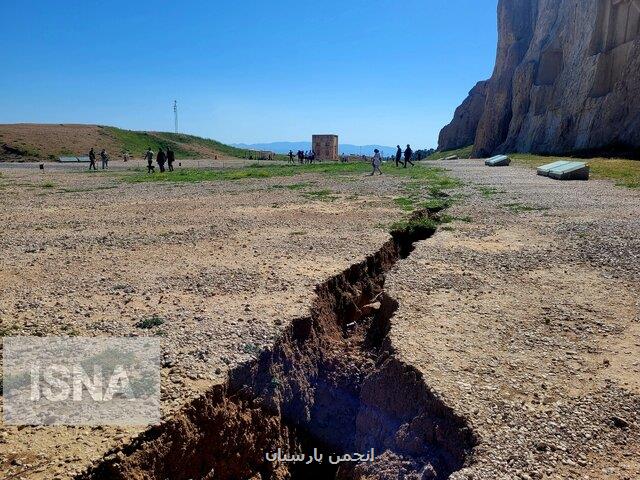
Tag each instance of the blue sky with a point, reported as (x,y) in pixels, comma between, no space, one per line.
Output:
(371,71)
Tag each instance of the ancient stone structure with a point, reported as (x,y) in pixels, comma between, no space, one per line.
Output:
(325,146)
(566,80)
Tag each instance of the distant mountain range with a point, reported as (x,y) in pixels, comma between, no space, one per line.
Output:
(345,148)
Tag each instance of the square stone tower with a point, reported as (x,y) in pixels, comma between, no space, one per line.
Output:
(325,146)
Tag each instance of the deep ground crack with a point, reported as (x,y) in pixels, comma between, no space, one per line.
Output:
(332,381)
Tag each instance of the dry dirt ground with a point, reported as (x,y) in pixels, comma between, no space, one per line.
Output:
(524,319)
(225,265)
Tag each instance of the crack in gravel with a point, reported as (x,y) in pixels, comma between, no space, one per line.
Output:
(332,381)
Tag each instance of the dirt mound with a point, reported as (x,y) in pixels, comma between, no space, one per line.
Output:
(38,142)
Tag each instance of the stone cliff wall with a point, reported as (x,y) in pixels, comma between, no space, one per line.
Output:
(566,80)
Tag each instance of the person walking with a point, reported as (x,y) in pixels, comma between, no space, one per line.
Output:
(148,156)
(105,159)
(171,157)
(291,156)
(398,156)
(408,153)
(376,161)
(161,159)
(92,159)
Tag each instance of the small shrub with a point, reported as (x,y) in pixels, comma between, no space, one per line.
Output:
(150,322)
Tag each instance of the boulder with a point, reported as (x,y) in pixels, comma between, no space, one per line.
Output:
(498,161)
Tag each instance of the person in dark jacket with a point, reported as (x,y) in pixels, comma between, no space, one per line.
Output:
(92,159)
(105,159)
(291,156)
(149,158)
(171,157)
(161,158)
(408,153)
(398,156)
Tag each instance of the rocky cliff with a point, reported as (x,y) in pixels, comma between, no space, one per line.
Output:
(566,80)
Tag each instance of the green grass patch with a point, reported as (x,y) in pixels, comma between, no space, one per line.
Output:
(150,322)
(325,195)
(425,190)
(414,226)
(301,232)
(520,207)
(464,152)
(86,189)
(489,192)
(253,171)
(294,186)
(436,204)
(405,203)
(47,185)
(434,177)
(625,173)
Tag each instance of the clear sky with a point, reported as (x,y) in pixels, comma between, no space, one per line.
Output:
(371,71)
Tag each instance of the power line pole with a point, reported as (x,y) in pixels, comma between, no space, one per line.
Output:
(175,114)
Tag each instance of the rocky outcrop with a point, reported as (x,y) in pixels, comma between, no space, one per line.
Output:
(461,132)
(566,80)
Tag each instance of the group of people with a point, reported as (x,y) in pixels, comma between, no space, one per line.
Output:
(162,157)
(408,154)
(303,157)
(104,156)
(376,160)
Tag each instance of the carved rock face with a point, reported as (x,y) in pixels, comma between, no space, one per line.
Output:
(567,79)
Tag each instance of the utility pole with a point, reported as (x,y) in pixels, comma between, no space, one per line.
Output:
(175,114)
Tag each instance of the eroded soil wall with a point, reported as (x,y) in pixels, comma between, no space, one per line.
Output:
(331,382)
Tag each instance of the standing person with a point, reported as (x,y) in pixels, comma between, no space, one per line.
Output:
(171,157)
(300,157)
(160,159)
(290,156)
(408,153)
(105,159)
(376,161)
(149,158)
(125,156)
(92,159)
(398,156)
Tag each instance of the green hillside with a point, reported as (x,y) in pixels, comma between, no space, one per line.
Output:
(184,146)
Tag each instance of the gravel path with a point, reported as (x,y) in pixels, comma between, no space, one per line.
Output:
(525,319)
